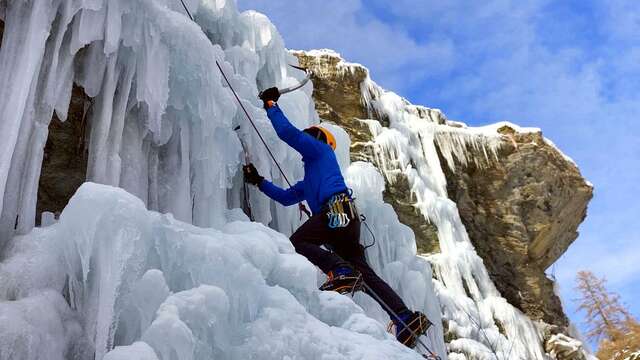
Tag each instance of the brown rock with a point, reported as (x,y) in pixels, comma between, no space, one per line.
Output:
(64,163)
(521,213)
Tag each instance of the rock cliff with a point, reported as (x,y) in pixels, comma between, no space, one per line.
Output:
(521,212)
(521,208)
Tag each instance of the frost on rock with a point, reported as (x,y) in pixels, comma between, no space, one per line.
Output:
(113,278)
(480,323)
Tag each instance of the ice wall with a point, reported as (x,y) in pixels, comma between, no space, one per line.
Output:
(162,123)
(111,273)
(480,324)
(113,280)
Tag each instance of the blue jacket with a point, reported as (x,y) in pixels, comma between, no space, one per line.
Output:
(322,176)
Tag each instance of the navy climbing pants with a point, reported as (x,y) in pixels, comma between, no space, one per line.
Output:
(345,243)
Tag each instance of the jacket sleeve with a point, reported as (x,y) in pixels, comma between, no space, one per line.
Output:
(292,195)
(306,145)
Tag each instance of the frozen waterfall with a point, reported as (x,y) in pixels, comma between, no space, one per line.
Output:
(480,322)
(158,262)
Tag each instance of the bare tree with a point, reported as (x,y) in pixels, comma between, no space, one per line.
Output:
(605,316)
(624,348)
(608,321)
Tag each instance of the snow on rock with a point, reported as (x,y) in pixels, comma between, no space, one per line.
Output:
(113,280)
(480,322)
(342,66)
(562,347)
(130,283)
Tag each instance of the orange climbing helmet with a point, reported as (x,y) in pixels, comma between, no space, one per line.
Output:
(322,134)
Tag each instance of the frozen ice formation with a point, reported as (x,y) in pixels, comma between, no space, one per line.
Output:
(114,278)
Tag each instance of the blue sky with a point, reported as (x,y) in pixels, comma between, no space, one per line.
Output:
(569,67)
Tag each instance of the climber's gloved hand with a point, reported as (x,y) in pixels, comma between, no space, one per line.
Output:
(269,97)
(251,175)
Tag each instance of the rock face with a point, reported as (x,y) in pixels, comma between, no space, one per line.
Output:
(520,210)
(521,213)
(64,164)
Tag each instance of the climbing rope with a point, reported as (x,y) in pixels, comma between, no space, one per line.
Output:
(187,10)
(301,206)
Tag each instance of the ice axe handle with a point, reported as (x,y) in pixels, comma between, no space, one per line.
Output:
(294,87)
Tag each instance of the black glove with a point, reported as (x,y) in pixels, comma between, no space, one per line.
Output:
(271,94)
(251,175)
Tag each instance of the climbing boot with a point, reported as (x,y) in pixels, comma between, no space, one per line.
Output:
(416,325)
(344,280)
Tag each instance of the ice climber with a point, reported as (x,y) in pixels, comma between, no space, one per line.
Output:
(335,222)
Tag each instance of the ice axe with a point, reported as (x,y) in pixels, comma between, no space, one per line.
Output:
(302,83)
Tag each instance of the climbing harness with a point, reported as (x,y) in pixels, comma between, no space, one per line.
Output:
(341,209)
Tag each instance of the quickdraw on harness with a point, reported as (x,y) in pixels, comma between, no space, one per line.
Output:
(341,210)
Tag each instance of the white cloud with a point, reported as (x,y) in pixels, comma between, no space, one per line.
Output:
(393,56)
